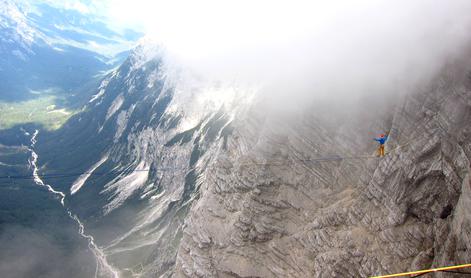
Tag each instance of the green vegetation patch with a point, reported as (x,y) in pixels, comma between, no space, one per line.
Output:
(41,110)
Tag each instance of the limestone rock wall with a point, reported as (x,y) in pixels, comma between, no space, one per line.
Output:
(270,207)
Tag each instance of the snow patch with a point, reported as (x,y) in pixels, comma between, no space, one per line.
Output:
(80,181)
(123,187)
(147,50)
(95,97)
(153,77)
(115,105)
(101,89)
(122,122)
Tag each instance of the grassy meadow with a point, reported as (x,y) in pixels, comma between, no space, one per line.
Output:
(40,110)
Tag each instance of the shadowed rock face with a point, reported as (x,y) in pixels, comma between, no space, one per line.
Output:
(299,217)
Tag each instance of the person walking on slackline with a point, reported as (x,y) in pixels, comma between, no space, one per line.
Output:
(381,140)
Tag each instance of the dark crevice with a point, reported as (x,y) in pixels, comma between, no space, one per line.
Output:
(446,211)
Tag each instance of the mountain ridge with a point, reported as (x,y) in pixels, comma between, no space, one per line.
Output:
(223,210)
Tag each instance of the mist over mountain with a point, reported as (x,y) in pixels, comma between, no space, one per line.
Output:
(231,157)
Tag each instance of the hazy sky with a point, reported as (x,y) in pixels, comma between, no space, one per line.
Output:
(296,45)
(299,37)
(196,29)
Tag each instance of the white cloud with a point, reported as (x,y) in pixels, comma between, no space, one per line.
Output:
(309,44)
(75,5)
(304,30)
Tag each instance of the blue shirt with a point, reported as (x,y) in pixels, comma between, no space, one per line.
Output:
(381,140)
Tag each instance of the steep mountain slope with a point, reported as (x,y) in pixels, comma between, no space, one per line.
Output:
(205,181)
(142,154)
(333,217)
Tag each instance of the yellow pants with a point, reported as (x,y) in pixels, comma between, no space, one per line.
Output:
(381,150)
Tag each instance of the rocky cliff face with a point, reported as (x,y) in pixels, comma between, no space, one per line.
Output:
(307,199)
(180,183)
